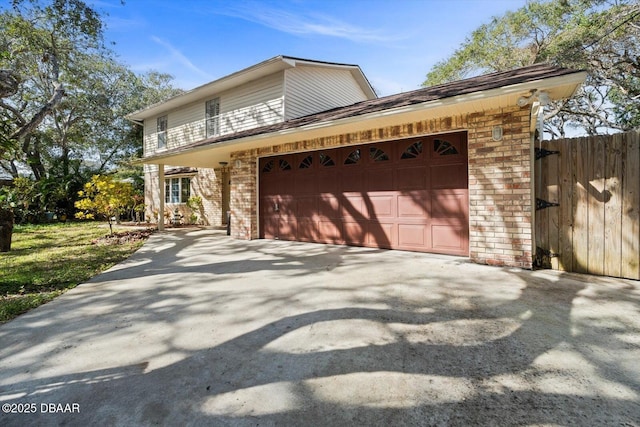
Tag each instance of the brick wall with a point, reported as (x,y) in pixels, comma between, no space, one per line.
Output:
(499,180)
(206,183)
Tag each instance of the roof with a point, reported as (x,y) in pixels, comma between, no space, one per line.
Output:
(244,76)
(483,93)
(532,73)
(180,171)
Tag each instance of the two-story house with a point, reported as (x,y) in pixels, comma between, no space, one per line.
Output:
(303,150)
(268,93)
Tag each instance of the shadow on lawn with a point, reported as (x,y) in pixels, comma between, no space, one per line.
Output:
(415,376)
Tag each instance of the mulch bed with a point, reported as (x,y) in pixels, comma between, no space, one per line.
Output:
(123,237)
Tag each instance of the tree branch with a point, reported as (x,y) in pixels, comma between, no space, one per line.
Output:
(40,115)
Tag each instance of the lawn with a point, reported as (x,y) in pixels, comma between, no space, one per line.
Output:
(46,260)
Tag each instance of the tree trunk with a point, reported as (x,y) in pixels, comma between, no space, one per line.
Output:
(6,229)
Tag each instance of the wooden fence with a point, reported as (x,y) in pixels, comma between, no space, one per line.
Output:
(588,205)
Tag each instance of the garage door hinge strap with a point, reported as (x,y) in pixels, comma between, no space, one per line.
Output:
(543,152)
(543,204)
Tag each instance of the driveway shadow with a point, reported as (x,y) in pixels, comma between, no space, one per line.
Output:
(489,346)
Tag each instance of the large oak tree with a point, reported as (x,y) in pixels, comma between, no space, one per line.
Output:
(600,36)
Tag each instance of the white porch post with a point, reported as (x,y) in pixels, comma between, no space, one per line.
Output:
(161,193)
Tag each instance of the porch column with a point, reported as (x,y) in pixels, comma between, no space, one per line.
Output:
(161,193)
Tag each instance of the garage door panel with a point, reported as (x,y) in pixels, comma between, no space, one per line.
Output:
(271,226)
(305,183)
(288,229)
(306,206)
(412,178)
(328,182)
(307,229)
(449,205)
(381,235)
(449,176)
(287,206)
(268,205)
(354,207)
(414,205)
(329,206)
(355,233)
(448,238)
(330,231)
(383,206)
(379,179)
(414,235)
(352,181)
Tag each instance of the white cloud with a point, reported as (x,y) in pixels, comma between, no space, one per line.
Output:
(305,24)
(179,57)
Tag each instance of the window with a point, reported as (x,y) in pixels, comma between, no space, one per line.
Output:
(213,117)
(377,155)
(177,190)
(413,151)
(353,158)
(162,132)
(444,148)
(284,165)
(326,160)
(268,167)
(306,162)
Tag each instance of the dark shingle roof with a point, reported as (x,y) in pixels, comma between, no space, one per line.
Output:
(432,93)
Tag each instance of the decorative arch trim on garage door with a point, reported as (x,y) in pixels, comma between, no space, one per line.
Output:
(409,194)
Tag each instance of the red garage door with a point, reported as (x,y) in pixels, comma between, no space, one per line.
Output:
(409,194)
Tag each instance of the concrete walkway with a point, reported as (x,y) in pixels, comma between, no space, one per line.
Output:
(199,329)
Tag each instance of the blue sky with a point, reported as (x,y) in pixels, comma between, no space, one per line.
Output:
(394,42)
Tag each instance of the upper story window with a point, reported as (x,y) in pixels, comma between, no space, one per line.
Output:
(212,117)
(162,131)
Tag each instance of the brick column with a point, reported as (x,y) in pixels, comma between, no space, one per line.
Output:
(500,219)
(244,195)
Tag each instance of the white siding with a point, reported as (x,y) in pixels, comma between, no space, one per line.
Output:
(252,105)
(310,90)
(255,104)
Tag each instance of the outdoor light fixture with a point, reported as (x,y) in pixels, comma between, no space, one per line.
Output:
(238,163)
(541,96)
(223,164)
(496,133)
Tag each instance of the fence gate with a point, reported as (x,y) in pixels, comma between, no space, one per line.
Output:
(588,205)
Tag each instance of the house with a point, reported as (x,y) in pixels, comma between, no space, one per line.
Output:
(445,169)
(271,92)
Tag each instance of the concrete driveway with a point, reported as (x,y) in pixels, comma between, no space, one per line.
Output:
(199,329)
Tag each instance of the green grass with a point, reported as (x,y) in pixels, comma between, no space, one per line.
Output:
(46,260)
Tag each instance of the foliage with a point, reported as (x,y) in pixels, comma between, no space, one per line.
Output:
(194,203)
(64,98)
(104,197)
(48,259)
(600,36)
(31,199)
(41,45)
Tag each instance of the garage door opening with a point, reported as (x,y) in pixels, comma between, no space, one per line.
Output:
(409,194)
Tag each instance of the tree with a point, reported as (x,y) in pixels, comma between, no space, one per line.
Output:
(38,45)
(57,52)
(600,36)
(104,197)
